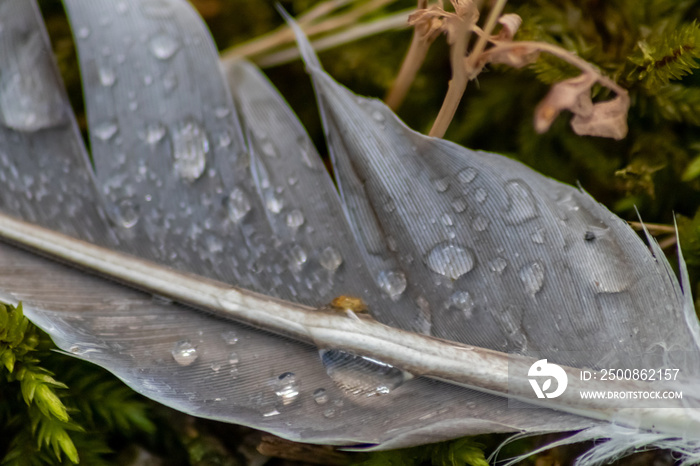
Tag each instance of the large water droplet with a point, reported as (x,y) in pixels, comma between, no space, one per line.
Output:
(107,76)
(392,282)
(295,219)
(238,205)
(450,260)
(461,301)
(287,388)
(360,375)
(163,46)
(320,396)
(105,131)
(521,202)
(184,352)
(532,276)
(190,148)
(467,175)
(330,259)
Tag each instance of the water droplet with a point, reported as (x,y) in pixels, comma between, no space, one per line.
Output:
(230,337)
(214,244)
(190,148)
(459,204)
(461,301)
(268,148)
(329,413)
(330,259)
(441,184)
(107,76)
(521,202)
(378,116)
(273,203)
(133,105)
(83,33)
(298,257)
(295,219)
(467,175)
(320,396)
(480,195)
(233,358)
(532,276)
(480,223)
(163,46)
(589,236)
(184,352)
(498,265)
(450,260)
(538,236)
(389,205)
(360,375)
(148,80)
(446,220)
(238,205)
(154,133)
(222,112)
(271,413)
(392,282)
(127,213)
(169,82)
(287,388)
(215,366)
(224,140)
(105,131)
(156,8)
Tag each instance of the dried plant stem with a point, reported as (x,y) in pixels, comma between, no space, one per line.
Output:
(311,22)
(668,242)
(569,57)
(409,68)
(654,228)
(460,72)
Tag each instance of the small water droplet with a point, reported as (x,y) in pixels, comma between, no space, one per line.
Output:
(480,223)
(238,205)
(521,203)
(589,236)
(230,337)
(268,148)
(450,260)
(389,205)
(298,257)
(105,131)
(83,32)
(295,219)
(222,112)
(480,195)
(273,203)
(538,236)
(271,413)
(378,116)
(154,133)
(133,105)
(461,301)
(441,184)
(392,282)
(361,375)
(190,148)
(532,276)
(446,220)
(170,82)
(107,76)
(329,413)
(156,8)
(214,244)
(233,358)
(127,213)
(184,352)
(459,204)
(498,265)
(467,175)
(320,396)
(163,46)
(148,80)
(287,388)
(330,259)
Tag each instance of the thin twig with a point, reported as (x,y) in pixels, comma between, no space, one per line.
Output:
(654,228)
(420,43)
(396,21)
(668,242)
(484,39)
